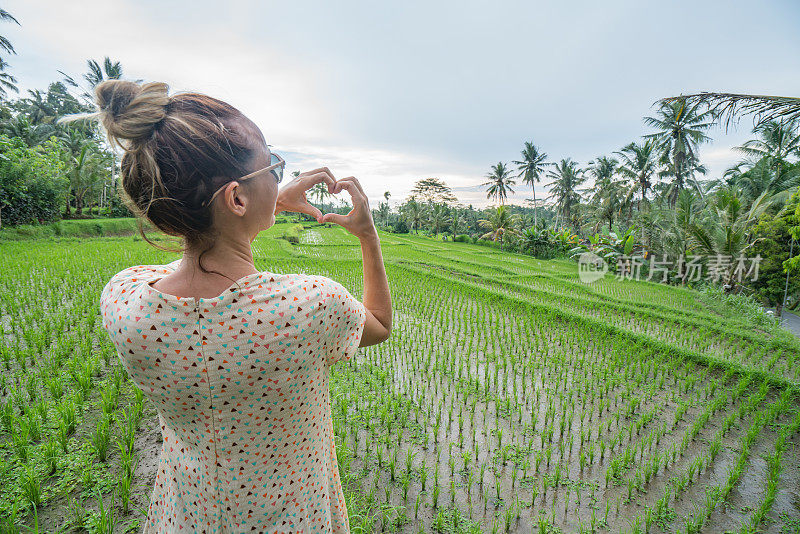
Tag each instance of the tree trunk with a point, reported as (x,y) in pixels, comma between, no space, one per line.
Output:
(535,219)
(68,211)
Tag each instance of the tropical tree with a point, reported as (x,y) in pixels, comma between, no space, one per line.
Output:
(531,169)
(7,81)
(433,190)
(681,130)
(777,142)
(729,107)
(86,171)
(110,70)
(457,221)
(638,163)
(726,230)
(319,192)
(439,217)
(500,182)
(499,223)
(608,193)
(20,126)
(413,212)
(566,176)
(674,225)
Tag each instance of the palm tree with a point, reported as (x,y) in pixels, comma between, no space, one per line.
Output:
(500,182)
(566,176)
(413,212)
(608,193)
(727,229)
(7,81)
(531,169)
(457,221)
(638,163)
(20,126)
(674,225)
(778,141)
(111,70)
(681,130)
(499,223)
(319,192)
(730,106)
(439,217)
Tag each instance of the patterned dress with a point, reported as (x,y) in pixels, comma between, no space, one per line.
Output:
(240,382)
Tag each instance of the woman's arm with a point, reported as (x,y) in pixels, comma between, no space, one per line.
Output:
(377,298)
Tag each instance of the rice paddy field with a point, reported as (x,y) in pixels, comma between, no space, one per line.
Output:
(509,398)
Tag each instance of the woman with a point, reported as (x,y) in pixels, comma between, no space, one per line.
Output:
(235,359)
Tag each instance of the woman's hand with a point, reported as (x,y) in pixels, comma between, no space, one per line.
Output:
(293,195)
(359,221)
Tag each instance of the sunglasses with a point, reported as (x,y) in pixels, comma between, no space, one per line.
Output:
(276,166)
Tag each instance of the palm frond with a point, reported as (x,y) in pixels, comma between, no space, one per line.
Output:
(729,107)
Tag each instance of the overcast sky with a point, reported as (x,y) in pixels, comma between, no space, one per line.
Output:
(392,92)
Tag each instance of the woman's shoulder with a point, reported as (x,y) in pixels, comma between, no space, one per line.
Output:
(135,273)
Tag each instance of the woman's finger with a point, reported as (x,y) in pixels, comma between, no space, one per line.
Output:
(312,179)
(355,181)
(334,218)
(321,170)
(351,188)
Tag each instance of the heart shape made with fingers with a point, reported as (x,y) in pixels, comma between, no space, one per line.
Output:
(294,197)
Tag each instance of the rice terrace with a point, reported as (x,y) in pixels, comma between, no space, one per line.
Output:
(510,398)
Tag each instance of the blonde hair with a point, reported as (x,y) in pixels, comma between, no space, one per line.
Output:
(177,151)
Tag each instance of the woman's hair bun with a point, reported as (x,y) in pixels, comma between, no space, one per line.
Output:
(129,110)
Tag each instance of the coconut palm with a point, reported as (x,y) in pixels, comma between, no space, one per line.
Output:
(319,192)
(566,176)
(7,81)
(457,221)
(777,142)
(110,70)
(500,182)
(608,193)
(681,130)
(726,230)
(439,217)
(638,162)
(531,169)
(728,107)
(499,223)
(670,187)
(20,126)
(413,212)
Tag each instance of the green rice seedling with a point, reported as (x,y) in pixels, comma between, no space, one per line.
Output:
(109,398)
(68,416)
(19,439)
(124,491)
(50,455)
(101,438)
(33,425)
(405,481)
(392,464)
(105,521)
(30,485)
(508,517)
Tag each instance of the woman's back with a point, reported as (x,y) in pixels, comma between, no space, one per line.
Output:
(240,382)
